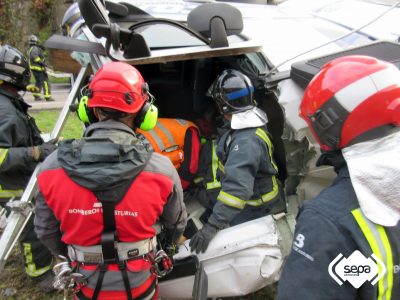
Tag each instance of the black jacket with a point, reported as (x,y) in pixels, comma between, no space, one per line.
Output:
(18,132)
(247,173)
(327,226)
(36,58)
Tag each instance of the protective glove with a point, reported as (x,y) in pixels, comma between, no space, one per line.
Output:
(39,153)
(202,238)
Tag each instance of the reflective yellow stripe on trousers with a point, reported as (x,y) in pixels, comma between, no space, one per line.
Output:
(380,246)
(30,267)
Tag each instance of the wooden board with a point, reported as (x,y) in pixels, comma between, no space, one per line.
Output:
(62,61)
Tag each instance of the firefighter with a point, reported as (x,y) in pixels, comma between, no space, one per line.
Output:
(21,148)
(38,68)
(101,196)
(347,239)
(243,168)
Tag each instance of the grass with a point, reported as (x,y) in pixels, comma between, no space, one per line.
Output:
(13,276)
(46,119)
(53,79)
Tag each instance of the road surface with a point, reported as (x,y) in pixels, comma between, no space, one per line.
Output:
(59,93)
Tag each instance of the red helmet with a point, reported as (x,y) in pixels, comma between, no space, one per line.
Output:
(119,86)
(352,99)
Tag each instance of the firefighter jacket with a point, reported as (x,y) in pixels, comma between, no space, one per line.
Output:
(332,226)
(36,58)
(247,173)
(81,177)
(179,140)
(18,131)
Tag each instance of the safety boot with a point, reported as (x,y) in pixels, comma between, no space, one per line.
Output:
(38,98)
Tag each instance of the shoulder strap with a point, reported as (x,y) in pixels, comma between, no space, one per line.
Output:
(109,237)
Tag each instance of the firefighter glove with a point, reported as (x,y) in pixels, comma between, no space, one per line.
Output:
(39,153)
(201,240)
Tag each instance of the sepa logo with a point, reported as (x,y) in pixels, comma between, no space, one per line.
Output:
(356,269)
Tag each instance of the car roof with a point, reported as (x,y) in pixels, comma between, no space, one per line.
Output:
(285,33)
(288,29)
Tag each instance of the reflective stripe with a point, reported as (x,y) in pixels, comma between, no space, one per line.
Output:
(167,133)
(380,246)
(213,185)
(268,196)
(236,202)
(3,154)
(264,136)
(182,122)
(37,59)
(46,89)
(10,193)
(221,167)
(231,200)
(157,139)
(214,166)
(198,180)
(355,93)
(30,267)
(36,68)
(240,93)
(389,261)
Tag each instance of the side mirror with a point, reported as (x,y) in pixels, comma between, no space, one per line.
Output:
(216,21)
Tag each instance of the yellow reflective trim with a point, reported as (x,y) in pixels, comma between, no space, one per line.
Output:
(263,135)
(268,196)
(221,167)
(369,235)
(30,267)
(37,68)
(272,194)
(37,59)
(213,185)
(389,261)
(10,193)
(3,154)
(46,90)
(198,179)
(231,200)
(214,166)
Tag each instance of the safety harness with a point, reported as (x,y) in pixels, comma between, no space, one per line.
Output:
(111,252)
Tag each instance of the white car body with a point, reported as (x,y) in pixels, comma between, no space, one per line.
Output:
(247,257)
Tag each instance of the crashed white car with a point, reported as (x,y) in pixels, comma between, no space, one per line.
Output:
(180,47)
